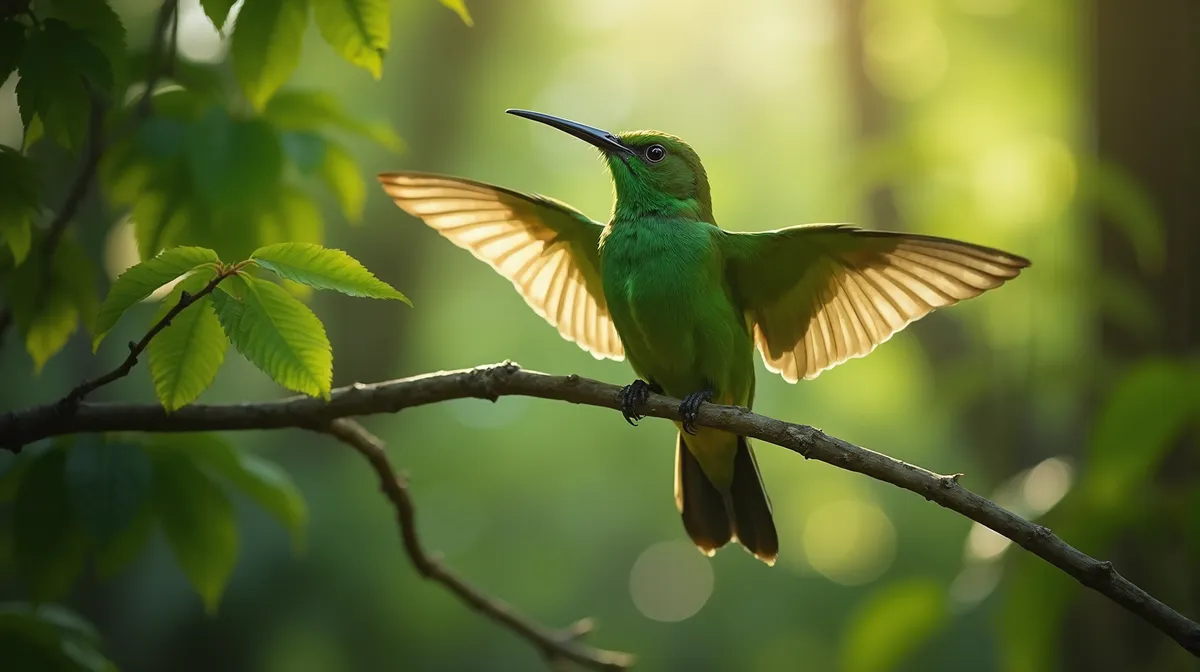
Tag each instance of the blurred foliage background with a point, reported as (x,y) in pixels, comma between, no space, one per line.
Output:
(1061,130)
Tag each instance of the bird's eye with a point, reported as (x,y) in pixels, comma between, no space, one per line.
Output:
(655,153)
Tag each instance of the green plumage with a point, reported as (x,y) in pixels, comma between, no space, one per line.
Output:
(688,302)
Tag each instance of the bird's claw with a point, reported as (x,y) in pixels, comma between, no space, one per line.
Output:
(633,396)
(690,407)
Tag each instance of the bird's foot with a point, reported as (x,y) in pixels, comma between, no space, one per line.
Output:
(690,407)
(633,396)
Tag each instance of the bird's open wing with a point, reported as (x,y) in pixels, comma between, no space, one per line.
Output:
(821,294)
(546,248)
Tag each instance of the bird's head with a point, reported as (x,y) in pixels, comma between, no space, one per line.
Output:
(654,173)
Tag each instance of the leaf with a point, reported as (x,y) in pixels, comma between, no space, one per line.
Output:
(234,162)
(359,30)
(34,132)
(217,11)
(185,357)
(75,278)
(460,8)
(267,41)
(12,44)
(323,268)
(49,542)
(140,280)
(97,20)
(19,197)
(50,329)
(47,318)
(49,637)
(106,485)
(57,62)
(341,174)
(277,333)
(301,110)
(293,217)
(891,624)
(199,524)
(263,481)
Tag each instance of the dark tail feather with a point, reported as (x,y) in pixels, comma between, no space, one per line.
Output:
(752,521)
(699,502)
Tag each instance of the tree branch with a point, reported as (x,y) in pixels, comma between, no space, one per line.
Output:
(492,382)
(554,645)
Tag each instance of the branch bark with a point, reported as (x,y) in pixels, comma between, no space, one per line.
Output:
(555,646)
(492,382)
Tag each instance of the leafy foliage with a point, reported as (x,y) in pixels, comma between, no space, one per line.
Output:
(460,8)
(277,333)
(49,540)
(58,64)
(185,358)
(142,279)
(46,318)
(49,637)
(19,197)
(323,268)
(266,46)
(359,30)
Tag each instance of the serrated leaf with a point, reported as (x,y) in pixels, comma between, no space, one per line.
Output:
(142,279)
(234,162)
(341,175)
(359,30)
(97,20)
(267,41)
(56,63)
(217,11)
(323,268)
(892,622)
(49,542)
(107,482)
(12,44)
(261,480)
(185,357)
(277,333)
(303,110)
(460,8)
(199,524)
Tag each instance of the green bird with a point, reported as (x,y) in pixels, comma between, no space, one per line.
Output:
(688,302)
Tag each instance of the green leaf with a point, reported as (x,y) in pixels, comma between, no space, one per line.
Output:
(75,278)
(359,30)
(33,132)
(57,62)
(185,357)
(97,20)
(12,44)
(106,484)
(323,268)
(49,637)
(217,11)
(341,174)
(234,162)
(141,280)
(277,333)
(301,110)
(49,316)
(124,548)
(261,480)
(460,8)
(199,523)
(49,542)
(50,329)
(891,624)
(267,41)
(19,196)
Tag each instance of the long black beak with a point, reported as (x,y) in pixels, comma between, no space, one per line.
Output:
(607,142)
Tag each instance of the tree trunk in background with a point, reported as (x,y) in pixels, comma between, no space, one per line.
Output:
(1146,73)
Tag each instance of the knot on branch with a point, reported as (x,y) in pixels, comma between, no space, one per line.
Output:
(491,379)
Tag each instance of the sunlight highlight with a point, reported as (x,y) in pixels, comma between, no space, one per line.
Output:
(670,581)
(984,544)
(1046,485)
(906,53)
(850,542)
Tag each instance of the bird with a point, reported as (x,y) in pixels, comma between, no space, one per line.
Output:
(688,302)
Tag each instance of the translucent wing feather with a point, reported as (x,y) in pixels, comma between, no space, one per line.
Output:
(819,295)
(546,248)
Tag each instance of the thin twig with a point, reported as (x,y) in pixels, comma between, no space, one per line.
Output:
(71,401)
(563,645)
(492,382)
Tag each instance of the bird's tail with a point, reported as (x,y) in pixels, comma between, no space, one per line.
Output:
(711,518)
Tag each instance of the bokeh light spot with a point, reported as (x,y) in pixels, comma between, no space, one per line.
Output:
(850,542)
(974,584)
(1025,181)
(670,581)
(1046,485)
(984,544)
(906,54)
(198,38)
